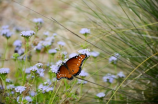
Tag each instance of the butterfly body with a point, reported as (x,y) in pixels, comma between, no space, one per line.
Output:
(71,68)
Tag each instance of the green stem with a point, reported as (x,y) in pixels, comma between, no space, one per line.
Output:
(55,93)
(26,46)
(5,53)
(81,87)
(36,87)
(115,66)
(52,92)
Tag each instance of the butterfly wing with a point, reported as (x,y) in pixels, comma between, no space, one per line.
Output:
(74,64)
(63,72)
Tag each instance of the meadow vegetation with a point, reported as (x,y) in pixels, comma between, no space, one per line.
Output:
(118,36)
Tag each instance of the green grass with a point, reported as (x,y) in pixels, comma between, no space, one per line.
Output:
(127,27)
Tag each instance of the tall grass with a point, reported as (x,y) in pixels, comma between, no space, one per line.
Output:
(125,35)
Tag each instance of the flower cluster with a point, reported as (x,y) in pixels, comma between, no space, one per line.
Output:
(11,86)
(36,69)
(4,70)
(101,95)
(38,20)
(45,88)
(85,31)
(121,75)
(54,68)
(52,51)
(61,43)
(27,34)
(45,43)
(46,33)
(83,74)
(17,43)
(113,59)
(72,55)
(94,54)
(109,78)
(27,98)
(20,89)
(6,32)
(84,51)
(81,81)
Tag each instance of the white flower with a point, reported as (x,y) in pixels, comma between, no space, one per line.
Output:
(4,70)
(100,95)
(18,99)
(121,75)
(27,70)
(32,93)
(117,55)
(84,51)
(20,89)
(33,68)
(49,89)
(6,33)
(59,62)
(44,88)
(40,72)
(38,47)
(83,73)
(73,55)
(21,51)
(94,54)
(54,34)
(81,81)
(28,98)
(46,33)
(27,33)
(50,38)
(8,80)
(48,82)
(52,51)
(49,64)
(112,59)
(54,68)
(17,43)
(64,53)
(11,86)
(12,92)
(85,31)
(39,65)
(61,43)
(5,27)
(109,78)
(46,43)
(38,20)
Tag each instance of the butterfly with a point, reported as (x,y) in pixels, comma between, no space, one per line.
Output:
(71,67)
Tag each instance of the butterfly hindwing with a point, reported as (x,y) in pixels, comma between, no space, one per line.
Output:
(63,73)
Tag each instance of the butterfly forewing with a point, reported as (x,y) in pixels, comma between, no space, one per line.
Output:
(63,73)
(74,64)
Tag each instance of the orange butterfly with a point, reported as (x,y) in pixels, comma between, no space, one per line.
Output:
(71,68)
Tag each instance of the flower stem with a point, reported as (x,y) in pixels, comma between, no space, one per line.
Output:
(5,53)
